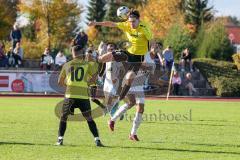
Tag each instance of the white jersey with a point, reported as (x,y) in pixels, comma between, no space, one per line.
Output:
(111,83)
(113,70)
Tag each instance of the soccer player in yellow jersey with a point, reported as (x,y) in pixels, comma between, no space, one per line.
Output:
(139,35)
(76,75)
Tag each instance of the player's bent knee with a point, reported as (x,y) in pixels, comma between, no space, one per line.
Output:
(119,56)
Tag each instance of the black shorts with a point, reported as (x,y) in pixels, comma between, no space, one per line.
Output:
(71,103)
(134,62)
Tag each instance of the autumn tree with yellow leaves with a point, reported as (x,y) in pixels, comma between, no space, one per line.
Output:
(161,15)
(8,15)
(54,22)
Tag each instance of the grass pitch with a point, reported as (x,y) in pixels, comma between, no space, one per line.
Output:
(190,130)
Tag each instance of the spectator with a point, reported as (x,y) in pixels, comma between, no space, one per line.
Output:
(189,84)
(186,57)
(158,59)
(18,55)
(47,60)
(18,50)
(168,58)
(11,59)
(3,58)
(15,35)
(176,81)
(81,39)
(60,59)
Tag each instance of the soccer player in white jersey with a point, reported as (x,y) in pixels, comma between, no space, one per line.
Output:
(112,81)
(136,94)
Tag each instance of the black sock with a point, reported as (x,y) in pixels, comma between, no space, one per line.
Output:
(124,91)
(93,128)
(62,128)
(98,103)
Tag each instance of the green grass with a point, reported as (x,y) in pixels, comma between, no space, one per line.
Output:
(28,130)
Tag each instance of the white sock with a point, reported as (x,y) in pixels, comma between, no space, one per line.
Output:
(96,138)
(60,137)
(121,110)
(136,123)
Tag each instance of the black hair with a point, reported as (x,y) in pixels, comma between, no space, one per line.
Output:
(134,13)
(78,50)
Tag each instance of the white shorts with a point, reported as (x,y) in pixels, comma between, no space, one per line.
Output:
(110,88)
(138,91)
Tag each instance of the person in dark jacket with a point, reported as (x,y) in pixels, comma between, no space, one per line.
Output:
(15,35)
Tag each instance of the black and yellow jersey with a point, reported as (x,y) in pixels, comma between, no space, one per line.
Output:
(77,74)
(139,37)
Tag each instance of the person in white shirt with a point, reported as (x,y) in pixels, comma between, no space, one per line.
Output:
(112,81)
(60,59)
(176,82)
(46,60)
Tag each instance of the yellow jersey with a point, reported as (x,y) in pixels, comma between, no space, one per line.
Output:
(138,37)
(77,74)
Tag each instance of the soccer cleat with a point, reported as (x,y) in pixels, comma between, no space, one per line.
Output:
(99,143)
(133,137)
(111,125)
(59,142)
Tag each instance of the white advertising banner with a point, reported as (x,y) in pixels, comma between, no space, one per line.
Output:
(25,82)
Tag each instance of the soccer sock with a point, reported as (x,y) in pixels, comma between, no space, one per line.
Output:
(93,128)
(120,112)
(136,123)
(98,103)
(124,91)
(114,109)
(62,128)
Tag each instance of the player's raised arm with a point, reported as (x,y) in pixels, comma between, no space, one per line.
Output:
(105,24)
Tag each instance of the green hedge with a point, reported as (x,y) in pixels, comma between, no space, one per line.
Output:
(222,76)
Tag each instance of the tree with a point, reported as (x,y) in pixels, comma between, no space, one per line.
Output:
(54,20)
(214,42)
(161,15)
(8,15)
(111,34)
(96,10)
(179,38)
(135,3)
(197,12)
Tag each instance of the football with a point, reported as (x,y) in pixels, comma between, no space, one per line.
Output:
(122,12)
